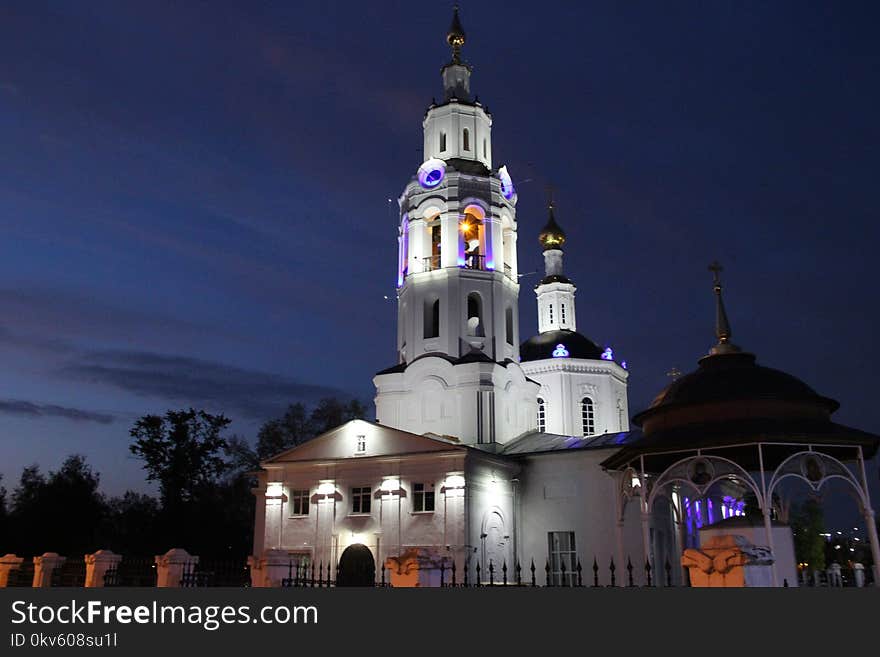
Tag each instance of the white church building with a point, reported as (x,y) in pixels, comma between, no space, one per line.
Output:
(487,451)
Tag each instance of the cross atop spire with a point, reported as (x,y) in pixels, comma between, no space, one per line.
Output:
(722,325)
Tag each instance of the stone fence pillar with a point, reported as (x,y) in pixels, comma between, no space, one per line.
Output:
(44,566)
(269,569)
(170,566)
(97,565)
(859,574)
(8,563)
(834,576)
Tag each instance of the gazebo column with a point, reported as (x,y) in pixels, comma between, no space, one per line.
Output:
(768,529)
(871,522)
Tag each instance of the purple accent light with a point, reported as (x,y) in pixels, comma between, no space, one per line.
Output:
(607,354)
(560,351)
(431,173)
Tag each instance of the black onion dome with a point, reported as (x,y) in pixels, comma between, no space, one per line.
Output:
(734,377)
(544,344)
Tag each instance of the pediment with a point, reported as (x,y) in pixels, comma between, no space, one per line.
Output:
(378,440)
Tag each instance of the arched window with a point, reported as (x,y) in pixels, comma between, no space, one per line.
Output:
(475,314)
(508,324)
(588,418)
(432,318)
(442,142)
(542,417)
(466,140)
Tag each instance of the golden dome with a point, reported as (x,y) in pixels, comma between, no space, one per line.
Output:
(551,236)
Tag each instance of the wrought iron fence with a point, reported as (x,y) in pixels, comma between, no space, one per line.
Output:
(132,571)
(304,575)
(215,573)
(23,576)
(71,573)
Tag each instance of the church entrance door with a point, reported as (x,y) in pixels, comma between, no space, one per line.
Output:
(356,567)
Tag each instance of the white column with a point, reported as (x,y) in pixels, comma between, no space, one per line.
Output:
(870,520)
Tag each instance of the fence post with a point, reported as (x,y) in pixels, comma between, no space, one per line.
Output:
(612,568)
(270,568)
(629,571)
(648,572)
(169,567)
(43,568)
(8,563)
(668,572)
(595,572)
(97,565)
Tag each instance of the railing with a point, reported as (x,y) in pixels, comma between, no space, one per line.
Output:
(71,573)
(431,263)
(132,572)
(475,261)
(215,573)
(564,576)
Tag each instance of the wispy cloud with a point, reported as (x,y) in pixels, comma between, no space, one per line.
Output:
(250,393)
(37,410)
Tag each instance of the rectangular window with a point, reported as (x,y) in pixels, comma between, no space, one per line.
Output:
(562,554)
(423,497)
(542,416)
(551,313)
(361,445)
(360,500)
(299,502)
(563,313)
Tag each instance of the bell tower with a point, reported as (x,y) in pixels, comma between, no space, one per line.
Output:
(457,286)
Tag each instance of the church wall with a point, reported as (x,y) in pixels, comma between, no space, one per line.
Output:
(564,384)
(392,524)
(491,524)
(433,396)
(569,492)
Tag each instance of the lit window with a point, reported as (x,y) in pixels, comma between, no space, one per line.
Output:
(563,558)
(423,498)
(361,444)
(360,500)
(588,419)
(542,417)
(299,502)
(466,140)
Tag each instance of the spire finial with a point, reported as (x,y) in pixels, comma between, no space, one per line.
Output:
(456,36)
(722,324)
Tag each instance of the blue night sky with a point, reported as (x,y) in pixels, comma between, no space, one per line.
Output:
(194,196)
